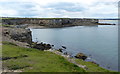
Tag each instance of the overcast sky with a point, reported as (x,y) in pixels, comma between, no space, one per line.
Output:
(59,8)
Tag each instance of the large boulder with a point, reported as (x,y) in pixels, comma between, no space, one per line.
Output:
(64,47)
(81,56)
(41,46)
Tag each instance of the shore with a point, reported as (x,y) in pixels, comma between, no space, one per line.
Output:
(22,35)
(34,60)
(37,27)
(46,27)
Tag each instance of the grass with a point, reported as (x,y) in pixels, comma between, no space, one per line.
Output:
(92,67)
(5,25)
(41,61)
(37,61)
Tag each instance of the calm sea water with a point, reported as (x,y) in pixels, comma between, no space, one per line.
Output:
(100,43)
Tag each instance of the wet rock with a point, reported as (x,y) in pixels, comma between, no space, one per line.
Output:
(81,56)
(64,47)
(48,46)
(52,45)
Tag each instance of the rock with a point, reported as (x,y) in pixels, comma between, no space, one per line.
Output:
(95,63)
(64,47)
(65,53)
(52,45)
(48,46)
(60,50)
(41,46)
(6,58)
(81,56)
(18,34)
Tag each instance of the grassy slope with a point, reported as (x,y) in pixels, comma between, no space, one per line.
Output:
(91,67)
(41,61)
(37,61)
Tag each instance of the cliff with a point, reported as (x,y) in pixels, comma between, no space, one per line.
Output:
(19,36)
(49,22)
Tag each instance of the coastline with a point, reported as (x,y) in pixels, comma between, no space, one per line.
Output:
(46,27)
(72,60)
(102,65)
(87,66)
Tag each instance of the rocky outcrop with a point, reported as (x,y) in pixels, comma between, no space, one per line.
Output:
(81,56)
(50,22)
(64,47)
(18,34)
(41,46)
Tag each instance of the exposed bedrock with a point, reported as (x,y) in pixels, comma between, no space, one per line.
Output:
(81,56)
(51,22)
(18,34)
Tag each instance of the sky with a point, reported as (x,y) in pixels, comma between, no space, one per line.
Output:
(59,8)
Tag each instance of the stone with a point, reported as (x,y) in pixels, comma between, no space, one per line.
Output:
(81,56)
(41,46)
(6,58)
(64,47)
(60,50)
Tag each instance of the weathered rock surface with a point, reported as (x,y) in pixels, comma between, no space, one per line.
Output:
(50,22)
(81,56)
(41,46)
(17,34)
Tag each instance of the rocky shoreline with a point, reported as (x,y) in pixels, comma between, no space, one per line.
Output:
(23,38)
(62,52)
(40,23)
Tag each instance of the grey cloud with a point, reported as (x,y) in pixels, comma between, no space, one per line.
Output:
(56,9)
(23,9)
(67,6)
(17,5)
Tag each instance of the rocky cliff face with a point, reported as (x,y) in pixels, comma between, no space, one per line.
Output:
(17,34)
(60,22)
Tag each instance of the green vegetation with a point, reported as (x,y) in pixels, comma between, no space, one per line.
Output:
(91,66)
(35,61)
(5,25)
